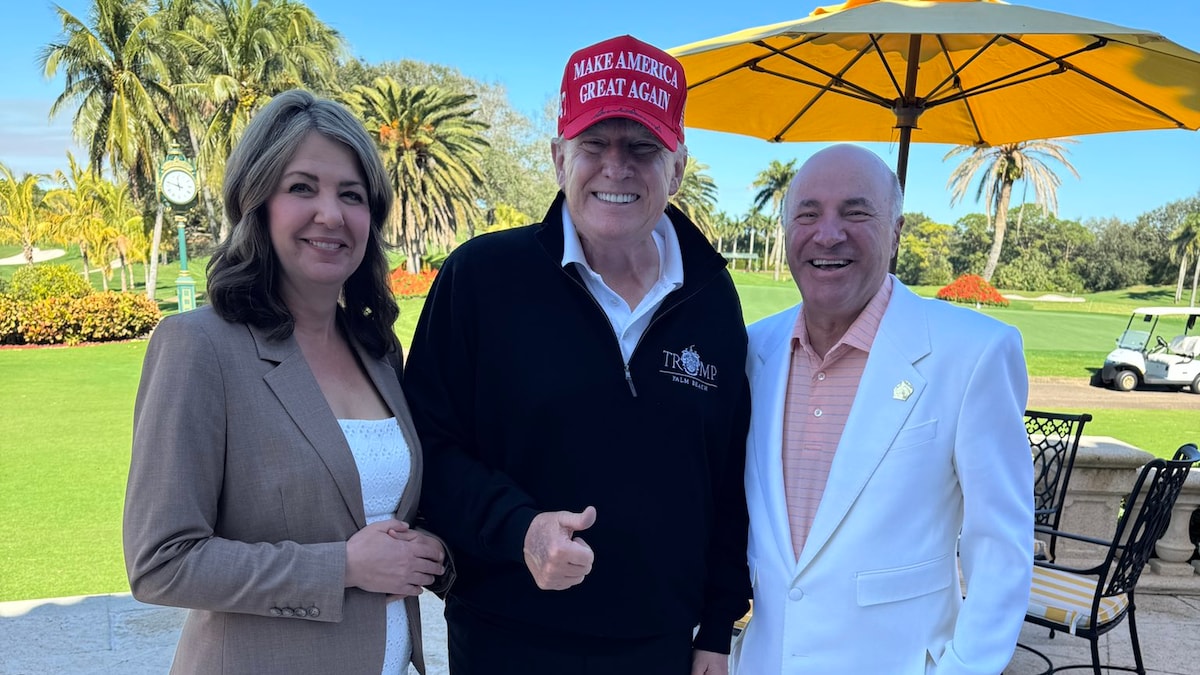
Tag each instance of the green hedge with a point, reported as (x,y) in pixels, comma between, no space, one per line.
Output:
(39,282)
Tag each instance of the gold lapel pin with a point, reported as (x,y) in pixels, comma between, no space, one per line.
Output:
(902,390)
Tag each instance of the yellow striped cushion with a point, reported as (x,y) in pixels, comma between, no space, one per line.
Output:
(1066,598)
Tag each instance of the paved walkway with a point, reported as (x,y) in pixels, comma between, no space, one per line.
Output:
(116,634)
(39,255)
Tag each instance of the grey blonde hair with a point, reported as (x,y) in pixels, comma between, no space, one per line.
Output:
(243,273)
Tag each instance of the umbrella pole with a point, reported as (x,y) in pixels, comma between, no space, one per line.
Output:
(907,110)
(902,155)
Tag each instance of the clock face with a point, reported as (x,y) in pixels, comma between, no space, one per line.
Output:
(178,187)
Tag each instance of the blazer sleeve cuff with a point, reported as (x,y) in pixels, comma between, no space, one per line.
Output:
(714,637)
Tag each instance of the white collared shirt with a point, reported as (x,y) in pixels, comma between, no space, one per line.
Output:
(628,324)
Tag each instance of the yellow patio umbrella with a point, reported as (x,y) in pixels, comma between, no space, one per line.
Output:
(966,72)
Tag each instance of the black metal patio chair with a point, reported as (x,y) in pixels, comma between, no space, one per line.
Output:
(1053,440)
(1089,602)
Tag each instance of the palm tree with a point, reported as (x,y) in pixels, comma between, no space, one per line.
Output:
(772,184)
(697,196)
(100,217)
(1002,166)
(24,218)
(124,235)
(191,113)
(116,75)
(74,208)
(505,217)
(134,247)
(1185,244)
(241,53)
(755,223)
(725,227)
(432,146)
(517,170)
(117,71)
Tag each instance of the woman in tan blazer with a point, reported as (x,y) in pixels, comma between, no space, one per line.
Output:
(275,470)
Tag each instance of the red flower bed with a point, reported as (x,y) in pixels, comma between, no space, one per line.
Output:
(971,288)
(409,285)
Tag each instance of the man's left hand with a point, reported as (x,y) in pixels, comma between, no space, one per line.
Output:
(709,663)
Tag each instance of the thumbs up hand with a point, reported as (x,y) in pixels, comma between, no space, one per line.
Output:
(556,558)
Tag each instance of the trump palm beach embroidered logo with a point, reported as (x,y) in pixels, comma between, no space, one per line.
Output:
(686,367)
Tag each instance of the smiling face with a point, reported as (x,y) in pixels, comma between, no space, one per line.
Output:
(617,177)
(319,219)
(843,226)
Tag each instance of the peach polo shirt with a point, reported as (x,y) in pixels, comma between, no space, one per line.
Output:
(820,392)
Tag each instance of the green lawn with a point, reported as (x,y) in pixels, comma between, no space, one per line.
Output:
(1159,432)
(64,455)
(64,452)
(762,296)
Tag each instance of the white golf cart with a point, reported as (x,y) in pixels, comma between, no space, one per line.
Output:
(1144,356)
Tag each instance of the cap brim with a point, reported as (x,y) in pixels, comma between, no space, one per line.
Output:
(587,118)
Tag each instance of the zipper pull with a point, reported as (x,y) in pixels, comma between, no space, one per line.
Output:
(629,380)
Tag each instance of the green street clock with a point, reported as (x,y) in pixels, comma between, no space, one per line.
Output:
(177,188)
(177,179)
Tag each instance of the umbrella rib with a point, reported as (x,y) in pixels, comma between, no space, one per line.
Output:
(886,66)
(830,87)
(956,70)
(822,89)
(1010,79)
(836,78)
(836,83)
(748,64)
(1100,43)
(751,64)
(993,86)
(954,78)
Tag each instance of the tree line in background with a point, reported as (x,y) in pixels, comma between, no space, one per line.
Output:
(141,75)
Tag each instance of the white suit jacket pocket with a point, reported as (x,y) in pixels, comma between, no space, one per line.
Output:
(914,435)
(875,587)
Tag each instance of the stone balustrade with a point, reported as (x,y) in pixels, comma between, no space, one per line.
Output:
(1105,470)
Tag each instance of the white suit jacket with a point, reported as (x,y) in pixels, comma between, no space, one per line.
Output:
(876,588)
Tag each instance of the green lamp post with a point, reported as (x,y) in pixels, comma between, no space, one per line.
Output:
(177,186)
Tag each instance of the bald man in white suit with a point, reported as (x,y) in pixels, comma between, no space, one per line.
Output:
(869,487)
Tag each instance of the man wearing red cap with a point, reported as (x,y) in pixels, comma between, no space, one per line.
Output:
(579,389)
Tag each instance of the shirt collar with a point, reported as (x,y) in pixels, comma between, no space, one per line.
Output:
(670,257)
(861,334)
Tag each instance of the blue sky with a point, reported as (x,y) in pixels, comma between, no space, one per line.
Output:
(523,46)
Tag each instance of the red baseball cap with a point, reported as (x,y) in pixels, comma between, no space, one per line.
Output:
(623,77)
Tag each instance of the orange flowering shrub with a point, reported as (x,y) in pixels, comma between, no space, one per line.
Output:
(10,321)
(115,316)
(971,288)
(99,317)
(50,321)
(407,285)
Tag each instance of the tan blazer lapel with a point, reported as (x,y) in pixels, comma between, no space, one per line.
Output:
(293,384)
